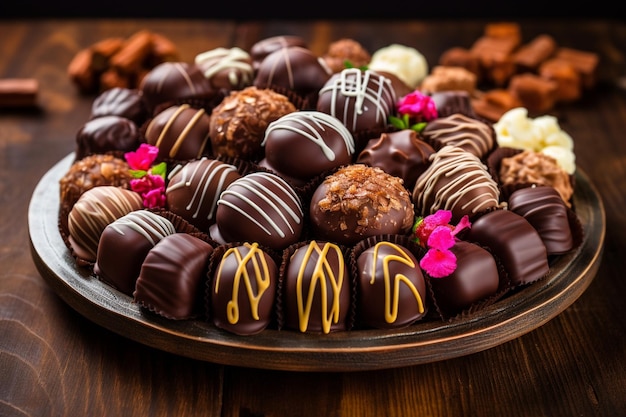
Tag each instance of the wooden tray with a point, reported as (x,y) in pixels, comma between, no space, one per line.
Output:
(507,319)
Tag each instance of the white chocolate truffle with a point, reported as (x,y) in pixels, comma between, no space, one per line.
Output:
(406,63)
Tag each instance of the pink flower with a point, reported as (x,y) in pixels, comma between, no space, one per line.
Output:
(154,198)
(438,263)
(143,157)
(151,188)
(420,107)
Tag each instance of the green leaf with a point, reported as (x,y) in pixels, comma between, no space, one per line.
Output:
(418,127)
(137,173)
(397,122)
(159,169)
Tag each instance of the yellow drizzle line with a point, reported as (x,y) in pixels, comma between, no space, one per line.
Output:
(322,274)
(261,276)
(391,308)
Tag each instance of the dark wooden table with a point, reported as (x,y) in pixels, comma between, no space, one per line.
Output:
(55,362)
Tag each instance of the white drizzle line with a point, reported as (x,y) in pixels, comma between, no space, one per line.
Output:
(150,225)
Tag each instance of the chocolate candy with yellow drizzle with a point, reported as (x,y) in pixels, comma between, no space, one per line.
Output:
(391,287)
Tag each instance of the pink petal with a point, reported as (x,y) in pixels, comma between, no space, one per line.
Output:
(441,238)
(438,263)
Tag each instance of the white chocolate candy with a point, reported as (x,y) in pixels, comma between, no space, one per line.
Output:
(406,63)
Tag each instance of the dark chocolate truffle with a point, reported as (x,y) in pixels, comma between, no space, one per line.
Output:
(120,101)
(93,211)
(266,46)
(171,81)
(260,207)
(293,68)
(243,290)
(194,188)
(238,123)
(391,288)
(180,132)
(303,144)
(358,201)
(475,279)
(545,210)
(124,244)
(171,279)
(107,134)
(458,181)
(472,135)
(402,154)
(317,289)
(362,100)
(226,68)
(515,242)
(452,102)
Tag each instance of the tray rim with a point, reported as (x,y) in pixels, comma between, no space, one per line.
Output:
(505,320)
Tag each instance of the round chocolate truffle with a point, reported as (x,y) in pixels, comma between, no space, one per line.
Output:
(515,242)
(458,181)
(459,130)
(362,100)
(358,201)
(260,207)
(171,81)
(226,68)
(402,154)
(172,277)
(194,188)
(475,279)
(293,68)
(124,244)
(344,53)
(93,211)
(266,46)
(303,144)
(546,211)
(243,290)
(120,101)
(391,287)
(238,123)
(317,289)
(180,132)
(107,134)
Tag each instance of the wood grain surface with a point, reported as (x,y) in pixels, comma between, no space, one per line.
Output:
(56,362)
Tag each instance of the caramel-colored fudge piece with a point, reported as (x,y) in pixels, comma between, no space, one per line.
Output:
(586,63)
(495,57)
(535,93)
(461,57)
(567,79)
(531,55)
(509,30)
(494,103)
(445,78)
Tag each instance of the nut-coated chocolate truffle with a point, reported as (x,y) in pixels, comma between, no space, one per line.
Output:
(358,201)
(260,207)
(545,210)
(303,144)
(346,52)
(515,242)
(194,188)
(293,68)
(107,134)
(238,123)
(472,135)
(93,211)
(124,244)
(180,132)
(402,154)
(226,68)
(243,290)
(362,100)
(172,277)
(458,181)
(391,288)
(317,289)
(120,101)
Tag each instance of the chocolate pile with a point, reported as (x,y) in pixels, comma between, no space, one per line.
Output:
(305,197)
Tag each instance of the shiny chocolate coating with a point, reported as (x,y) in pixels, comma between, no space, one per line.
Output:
(260,207)
(226,69)
(451,102)
(545,210)
(107,134)
(304,144)
(362,100)
(124,245)
(317,289)
(121,101)
(515,242)
(93,211)
(469,134)
(402,154)
(359,201)
(458,181)
(194,188)
(243,290)
(475,279)
(180,132)
(172,277)
(390,286)
(266,46)
(172,81)
(294,68)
